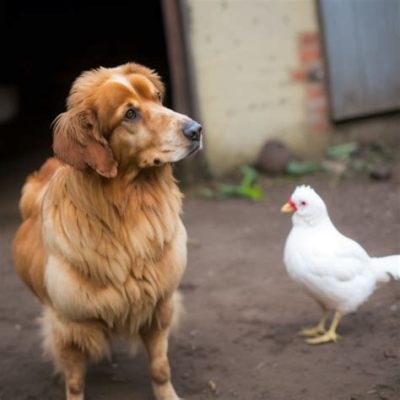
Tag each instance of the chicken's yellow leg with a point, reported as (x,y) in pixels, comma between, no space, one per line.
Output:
(331,335)
(316,330)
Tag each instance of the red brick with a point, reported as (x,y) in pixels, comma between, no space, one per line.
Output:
(310,55)
(298,75)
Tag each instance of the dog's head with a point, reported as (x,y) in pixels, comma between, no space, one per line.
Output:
(115,120)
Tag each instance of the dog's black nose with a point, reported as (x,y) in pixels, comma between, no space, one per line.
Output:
(192,130)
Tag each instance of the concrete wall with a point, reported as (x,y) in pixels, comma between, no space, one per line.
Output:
(250,69)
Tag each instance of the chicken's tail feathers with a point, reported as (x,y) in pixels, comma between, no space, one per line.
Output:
(385,266)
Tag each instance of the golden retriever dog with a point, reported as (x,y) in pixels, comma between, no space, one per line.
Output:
(102,245)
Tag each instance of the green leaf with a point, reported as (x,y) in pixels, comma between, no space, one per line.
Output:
(207,193)
(248,187)
(250,176)
(302,168)
(254,193)
(342,151)
(229,190)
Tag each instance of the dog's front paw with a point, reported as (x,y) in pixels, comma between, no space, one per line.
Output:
(165,391)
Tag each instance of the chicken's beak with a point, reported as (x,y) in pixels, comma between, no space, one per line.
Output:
(287,208)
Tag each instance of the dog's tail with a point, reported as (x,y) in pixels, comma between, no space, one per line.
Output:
(35,187)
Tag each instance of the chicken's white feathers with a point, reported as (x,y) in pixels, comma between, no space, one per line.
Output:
(332,268)
(386,265)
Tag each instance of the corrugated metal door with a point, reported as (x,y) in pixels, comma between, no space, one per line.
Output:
(362,45)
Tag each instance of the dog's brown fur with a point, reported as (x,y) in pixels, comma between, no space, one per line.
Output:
(101,244)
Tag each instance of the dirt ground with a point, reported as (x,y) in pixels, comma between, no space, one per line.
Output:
(237,340)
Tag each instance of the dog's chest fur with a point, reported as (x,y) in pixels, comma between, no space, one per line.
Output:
(114,252)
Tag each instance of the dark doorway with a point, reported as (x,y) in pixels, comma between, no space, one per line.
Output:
(45,47)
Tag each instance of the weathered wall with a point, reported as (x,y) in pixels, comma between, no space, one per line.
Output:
(257,67)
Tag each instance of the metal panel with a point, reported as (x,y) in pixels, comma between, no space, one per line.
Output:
(362,46)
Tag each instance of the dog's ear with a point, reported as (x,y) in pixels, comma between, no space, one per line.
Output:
(77,141)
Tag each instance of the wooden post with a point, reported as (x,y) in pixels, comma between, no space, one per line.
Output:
(183,83)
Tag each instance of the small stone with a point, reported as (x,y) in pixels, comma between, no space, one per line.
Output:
(380,172)
(389,353)
(212,385)
(335,167)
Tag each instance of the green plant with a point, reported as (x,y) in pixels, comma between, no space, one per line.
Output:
(248,187)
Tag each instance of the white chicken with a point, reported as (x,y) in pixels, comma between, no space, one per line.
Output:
(332,268)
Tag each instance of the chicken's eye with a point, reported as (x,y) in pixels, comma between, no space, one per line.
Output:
(303,203)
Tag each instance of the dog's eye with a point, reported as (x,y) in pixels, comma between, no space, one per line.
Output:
(131,114)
